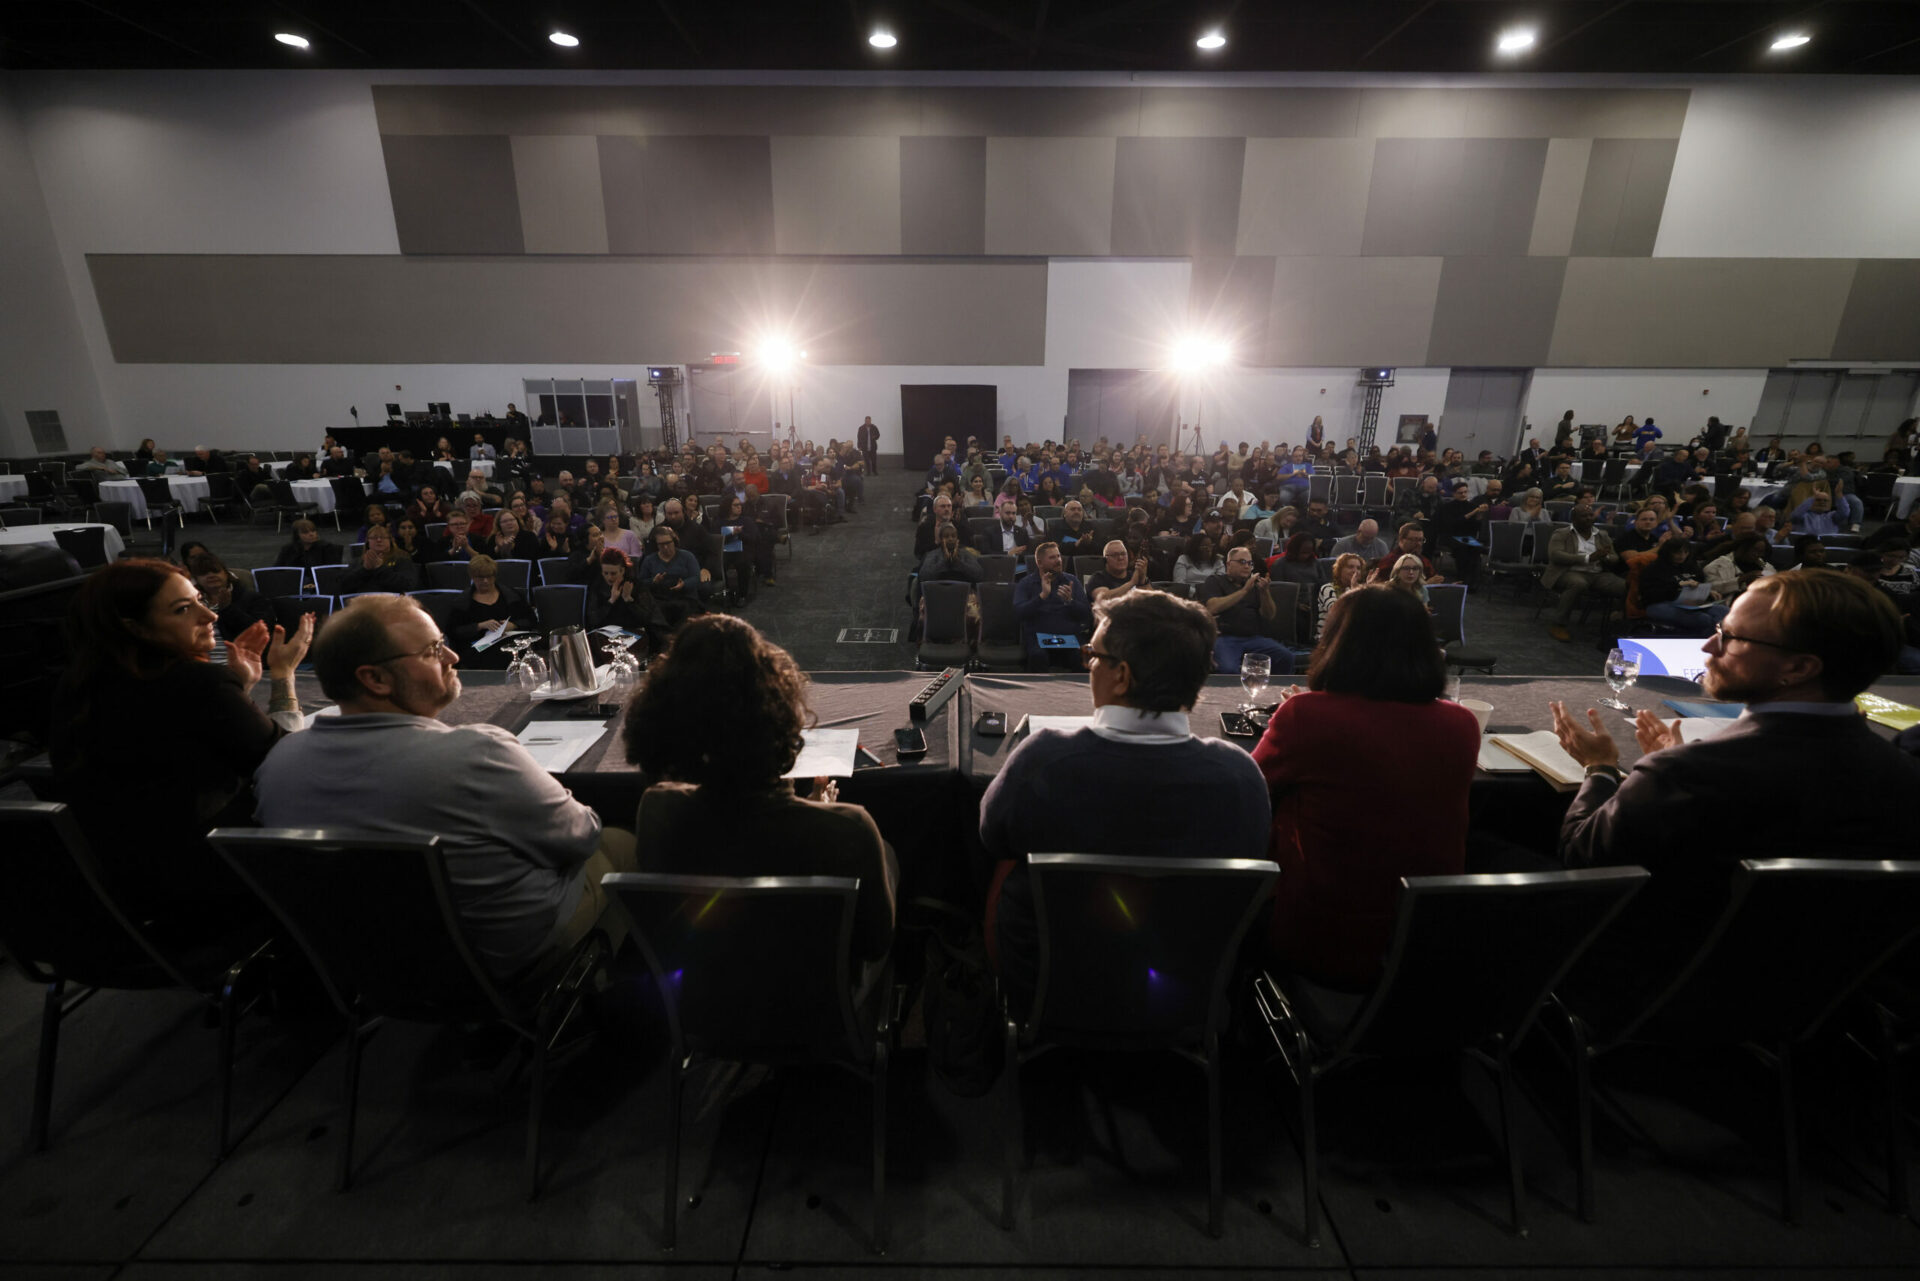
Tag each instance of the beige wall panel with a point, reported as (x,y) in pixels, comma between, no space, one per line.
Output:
(1177,197)
(530,110)
(1621,201)
(562,210)
(342,309)
(1232,299)
(1031,113)
(1625,313)
(1412,113)
(1304,196)
(1249,113)
(1495,311)
(836,195)
(1882,319)
(1050,195)
(1561,183)
(1352,311)
(1574,113)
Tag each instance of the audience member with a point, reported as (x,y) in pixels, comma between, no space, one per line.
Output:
(927,532)
(482,609)
(1136,782)
(1198,562)
(1364,542)
(673,576)
(1580,559)
(382,567)
(1120,572)
(1348,572)
(1674,594)
(237,606)
(1049,602)
(1241,603)
(101,467)
(950,560)
(307,549)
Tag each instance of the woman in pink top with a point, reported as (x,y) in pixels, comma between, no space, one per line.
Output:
(1371,727)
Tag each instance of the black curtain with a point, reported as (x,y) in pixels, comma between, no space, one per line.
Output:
(931,412)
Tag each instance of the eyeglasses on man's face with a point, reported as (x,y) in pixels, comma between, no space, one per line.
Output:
(1725,638)
(432,652)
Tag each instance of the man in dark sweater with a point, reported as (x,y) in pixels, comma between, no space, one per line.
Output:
(1049,601)
(1129,784)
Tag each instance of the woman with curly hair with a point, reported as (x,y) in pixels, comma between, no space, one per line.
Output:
(714,729)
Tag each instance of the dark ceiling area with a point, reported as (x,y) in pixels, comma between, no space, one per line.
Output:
(1685,37)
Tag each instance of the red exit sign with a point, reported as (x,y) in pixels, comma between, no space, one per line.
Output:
(724,358)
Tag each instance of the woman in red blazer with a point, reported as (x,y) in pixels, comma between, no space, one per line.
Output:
(1369,770)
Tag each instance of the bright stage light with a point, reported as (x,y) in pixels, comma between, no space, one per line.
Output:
(1194,353)
(1793,41)
(1517,40)
(1211,41)
(565,40)
(289,39)
(882,39)
(780,355)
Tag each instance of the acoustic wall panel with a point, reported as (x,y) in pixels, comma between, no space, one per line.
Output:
(343,309)
(688,195)
(1050,196)
(1412,113)
(1352,311)
(562,209)
(1030,113)
(836,195)
(1304,196)
(943,195)
(1495,311)
(1232,298)
(1561,182)
(1882,316)
(1573,113)
(1627,313)
(1620,203)
(1453,196)
(1249,113)
(449,194)
(1177,197)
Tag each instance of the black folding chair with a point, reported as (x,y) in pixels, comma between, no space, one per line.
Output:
(517,574)
(1742,986)
(279,580)
(1135,954)
(63,925)
(708,941)
(944,640)
(158,495)
(287,610)
(999,645)
(553,570)
(1449,604)
(440,604)
(562,606)
(15,516)
(375,916)
(448,575)
(86,544)
(1473,959)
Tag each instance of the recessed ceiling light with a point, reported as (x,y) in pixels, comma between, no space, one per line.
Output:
(564,40)
(1212,40)
(1793,41)
(1516,40)
(882,40)
(297,42)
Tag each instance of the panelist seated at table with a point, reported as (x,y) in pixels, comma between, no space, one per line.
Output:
(1049,601)
(237,605)
(382,567)
(153,746)
(1241,602)
(482,609)
(306,548)
(1796,649)
(1136,782)
(524,858)
(714,729)
(1376,678)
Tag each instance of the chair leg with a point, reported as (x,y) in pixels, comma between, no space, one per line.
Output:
(50,1011)
(1897,1192)
(1012,1138)
(676,1077)
(536,1109)
(880,1146)
(1582,1114)
(1516,1179)
(1309,1146)
(1215,1195)
(349,1104)
(229,1027)
(1789,1139)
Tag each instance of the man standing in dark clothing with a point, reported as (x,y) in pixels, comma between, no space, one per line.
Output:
(867,438)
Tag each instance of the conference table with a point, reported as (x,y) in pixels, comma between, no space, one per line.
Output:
(12,487)
(188,491)
(22,535)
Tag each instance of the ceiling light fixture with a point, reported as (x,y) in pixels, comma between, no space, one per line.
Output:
(1791,41)
(564,40)
(882,39)
(290,40)
(1211,41)
(1517,40)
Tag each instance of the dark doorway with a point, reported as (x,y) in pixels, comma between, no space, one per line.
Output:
(931,412)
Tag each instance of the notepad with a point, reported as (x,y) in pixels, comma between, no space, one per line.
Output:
(825,753)
(1496,759)
(1699,727)
(1884,711)
(556,745)
(1541,749)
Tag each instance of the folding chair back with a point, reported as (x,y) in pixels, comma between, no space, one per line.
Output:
(564,605)
(440,604)
(1373,490)
(1084,567)
(279,580)
(946,612)
(86,544)
(1138,950)
(997,568)
(288,609)
(999,628)
(1448,602)
(981,531)
(1320,488)
(517,574)
(448,575)
(1346,491)
(553,570)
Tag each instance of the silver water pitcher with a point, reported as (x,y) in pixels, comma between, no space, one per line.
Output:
(570,659)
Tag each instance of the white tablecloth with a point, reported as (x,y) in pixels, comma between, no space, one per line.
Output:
(12,487)
(1905,490)
(314,491)
(188,491)
(19,535)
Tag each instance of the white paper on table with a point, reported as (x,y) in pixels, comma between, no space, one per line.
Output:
(332,709)
(1695,728)
(825,753)
(1496,759)
(1065,724)
(556,745)
(491,636)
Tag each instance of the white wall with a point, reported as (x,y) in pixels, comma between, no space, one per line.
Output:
(1824,167)
(1672,396)
(1280,404)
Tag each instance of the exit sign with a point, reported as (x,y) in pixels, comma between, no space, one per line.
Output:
(725,358)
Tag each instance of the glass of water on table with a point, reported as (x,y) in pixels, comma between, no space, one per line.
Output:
(1254,671)
(1622,670)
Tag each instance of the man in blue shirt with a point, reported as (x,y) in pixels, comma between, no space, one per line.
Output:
(1644,435)
(1048,601)
(1816,516)
(673,575)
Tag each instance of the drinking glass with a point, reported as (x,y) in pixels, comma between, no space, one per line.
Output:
(1622,670)
(1254,670)
(527,672)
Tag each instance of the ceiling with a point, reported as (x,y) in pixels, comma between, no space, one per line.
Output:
(1684,37)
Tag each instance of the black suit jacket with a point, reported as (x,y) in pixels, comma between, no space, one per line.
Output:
(1691,813)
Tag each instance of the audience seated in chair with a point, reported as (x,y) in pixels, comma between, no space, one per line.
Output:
(483,608)
(1580,559)
(1242,605)
(307,549)
(523,856)
(1049,601)
(238,606)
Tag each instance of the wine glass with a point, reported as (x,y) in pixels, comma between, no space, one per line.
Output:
(1254,671)
(527,672)
(1622,670)
(623,667)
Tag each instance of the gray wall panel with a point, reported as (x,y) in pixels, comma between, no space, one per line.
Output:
(1249,113)
(1496,311)
(1050,195)
(344,309)
(1728,313)
(705,195)
(1352,311)
(1304,195)
(836,195)
(1177,197)
(1625,190)
(1031,113)
(1561,183)
(943,195)
(562,209)
(1453,196)
(1882,316)
(449,194)
(1232,299)
(1574,113)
